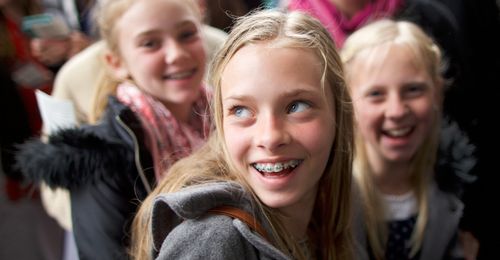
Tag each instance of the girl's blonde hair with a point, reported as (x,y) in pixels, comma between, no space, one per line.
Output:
(426,54)
(109,12)
(330,227)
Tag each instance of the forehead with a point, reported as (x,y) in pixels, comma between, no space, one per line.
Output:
(163,14)
(261,63)
(397,59)
(379,55)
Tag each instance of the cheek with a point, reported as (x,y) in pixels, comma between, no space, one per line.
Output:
(426,114)
(316,137)
(236,143)
(367,119)
(197,51)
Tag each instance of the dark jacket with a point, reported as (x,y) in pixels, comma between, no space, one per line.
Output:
(16,128)
(108,172)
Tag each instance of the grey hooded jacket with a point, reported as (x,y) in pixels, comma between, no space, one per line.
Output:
(183,229)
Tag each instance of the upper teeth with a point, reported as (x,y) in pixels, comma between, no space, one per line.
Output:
(179,75)
(398,132)
(276,167)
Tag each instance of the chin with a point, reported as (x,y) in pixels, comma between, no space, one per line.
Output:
(275,201)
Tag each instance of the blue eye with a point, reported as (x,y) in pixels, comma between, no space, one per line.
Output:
(240,111)
(298,106)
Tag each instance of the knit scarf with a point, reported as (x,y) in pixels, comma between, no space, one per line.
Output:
(340,26)
(167,138)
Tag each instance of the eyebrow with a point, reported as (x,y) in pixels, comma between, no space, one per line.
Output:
(287,94)
(176,26)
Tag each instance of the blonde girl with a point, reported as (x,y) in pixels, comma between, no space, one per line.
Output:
(393,70)
(281,153)
(151,110)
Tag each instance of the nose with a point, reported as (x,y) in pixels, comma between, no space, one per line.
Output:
(175,52)
(272,133)
(396,108)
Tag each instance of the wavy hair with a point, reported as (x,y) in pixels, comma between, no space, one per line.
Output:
(330,223)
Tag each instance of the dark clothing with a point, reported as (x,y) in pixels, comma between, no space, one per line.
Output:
(106,168)
(480,24)
(398,243)
(439,23)
(16,128)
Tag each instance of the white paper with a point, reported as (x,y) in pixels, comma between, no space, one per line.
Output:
(56,113)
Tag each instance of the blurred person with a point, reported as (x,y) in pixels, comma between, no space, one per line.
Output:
(79,16)
(394,74)
(155,115)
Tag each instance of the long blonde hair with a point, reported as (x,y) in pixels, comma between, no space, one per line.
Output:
(427,55)
(331,215)
(108,15)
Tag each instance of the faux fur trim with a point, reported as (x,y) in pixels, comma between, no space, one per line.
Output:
(73,157)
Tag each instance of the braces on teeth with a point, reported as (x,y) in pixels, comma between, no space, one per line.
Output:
(277,167)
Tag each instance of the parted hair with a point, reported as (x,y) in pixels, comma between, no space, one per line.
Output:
(330,223)
(427,55)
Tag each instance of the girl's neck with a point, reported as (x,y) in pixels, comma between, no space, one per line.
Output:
(392,178)
(296,217)
(349,8)
(182,112)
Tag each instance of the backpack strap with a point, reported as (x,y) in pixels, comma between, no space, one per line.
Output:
(242,215)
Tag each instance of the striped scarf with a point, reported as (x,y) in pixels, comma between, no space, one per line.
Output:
(167,138)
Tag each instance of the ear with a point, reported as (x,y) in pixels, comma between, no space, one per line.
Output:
(117,66)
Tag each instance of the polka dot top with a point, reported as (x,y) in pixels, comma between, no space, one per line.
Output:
(401,218)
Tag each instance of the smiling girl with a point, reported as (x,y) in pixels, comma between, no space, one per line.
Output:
(393,70)
(281,154)
(156,113)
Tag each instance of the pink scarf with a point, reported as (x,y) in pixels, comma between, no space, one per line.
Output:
(337,24)
(167,139)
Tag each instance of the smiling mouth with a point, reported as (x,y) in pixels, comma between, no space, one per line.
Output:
(180,75)
(400,132)
(276,169)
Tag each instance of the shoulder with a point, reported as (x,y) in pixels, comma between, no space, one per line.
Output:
(184,228)
(208,237)
(444,200)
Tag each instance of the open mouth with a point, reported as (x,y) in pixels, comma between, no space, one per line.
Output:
(399,132)
(276,169)
(180,75)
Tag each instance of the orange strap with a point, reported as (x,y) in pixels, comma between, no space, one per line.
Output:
(242,215)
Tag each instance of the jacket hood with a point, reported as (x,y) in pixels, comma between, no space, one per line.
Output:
(171,209)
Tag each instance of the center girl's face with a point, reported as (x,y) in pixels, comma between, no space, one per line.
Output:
(161,49)
(278,122)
